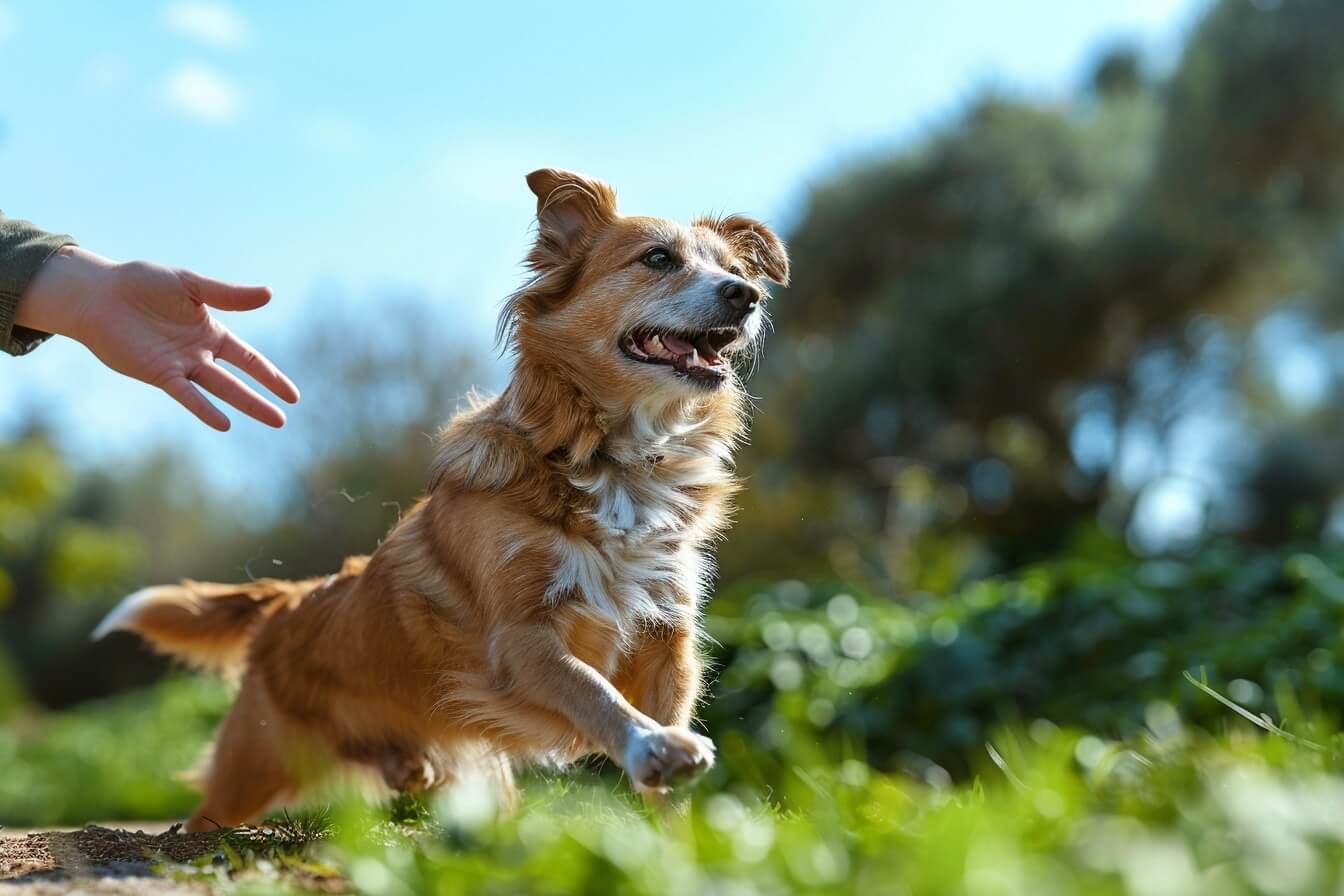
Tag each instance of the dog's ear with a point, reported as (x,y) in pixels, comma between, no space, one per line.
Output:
(570,208)
(757,246)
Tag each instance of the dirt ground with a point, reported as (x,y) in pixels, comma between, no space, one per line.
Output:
(98,860)
(110,861)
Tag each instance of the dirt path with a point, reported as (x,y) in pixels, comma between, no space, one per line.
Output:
(98,860)
(112,861)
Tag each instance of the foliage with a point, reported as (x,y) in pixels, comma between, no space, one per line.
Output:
(1173,811)
(1018,307)
(62,559)
(1175,814)
(120,758)
(1088,639)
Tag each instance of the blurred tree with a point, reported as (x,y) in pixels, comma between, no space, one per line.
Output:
(60,559)
(1120,71)
(959,310)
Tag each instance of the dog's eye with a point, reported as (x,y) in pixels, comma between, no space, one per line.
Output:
(657,258)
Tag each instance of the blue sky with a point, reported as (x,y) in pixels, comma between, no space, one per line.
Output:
(383,148)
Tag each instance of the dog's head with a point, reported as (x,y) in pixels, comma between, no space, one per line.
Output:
(634,308)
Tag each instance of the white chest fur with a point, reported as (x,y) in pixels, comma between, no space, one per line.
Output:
(641,566)
(646,562)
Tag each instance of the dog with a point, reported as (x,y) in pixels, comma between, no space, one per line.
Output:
(543,601)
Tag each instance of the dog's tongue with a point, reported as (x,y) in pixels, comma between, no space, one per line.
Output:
(677,346)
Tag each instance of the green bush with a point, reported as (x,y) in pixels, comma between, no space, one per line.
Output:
(121,758)
(62,559)
(1088,639)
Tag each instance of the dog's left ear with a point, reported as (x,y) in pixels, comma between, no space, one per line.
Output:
(570,208)
(757,245)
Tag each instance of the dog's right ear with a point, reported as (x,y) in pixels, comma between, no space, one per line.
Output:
(570,208)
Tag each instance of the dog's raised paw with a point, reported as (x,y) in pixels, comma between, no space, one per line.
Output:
(661,758)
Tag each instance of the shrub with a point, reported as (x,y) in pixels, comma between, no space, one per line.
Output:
(1089,639)
(120,758)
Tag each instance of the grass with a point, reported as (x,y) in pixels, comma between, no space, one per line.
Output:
(1172,811)
(1176,812)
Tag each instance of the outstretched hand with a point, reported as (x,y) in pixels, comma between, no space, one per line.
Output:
(152,323)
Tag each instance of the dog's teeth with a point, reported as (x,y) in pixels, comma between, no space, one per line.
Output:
(653,346)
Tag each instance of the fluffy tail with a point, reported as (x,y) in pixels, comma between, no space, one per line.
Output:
(209,625)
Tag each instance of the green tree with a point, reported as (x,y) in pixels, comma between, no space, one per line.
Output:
(958,308)
(61,562)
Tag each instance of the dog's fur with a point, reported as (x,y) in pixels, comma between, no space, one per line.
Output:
(542,602)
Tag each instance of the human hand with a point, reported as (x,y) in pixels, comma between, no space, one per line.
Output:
(151,323)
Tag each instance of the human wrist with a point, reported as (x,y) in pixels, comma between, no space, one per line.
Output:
(64,294)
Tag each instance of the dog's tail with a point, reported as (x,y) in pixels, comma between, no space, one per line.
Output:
(206,624)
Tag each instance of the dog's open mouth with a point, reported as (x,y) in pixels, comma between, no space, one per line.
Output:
(694,355)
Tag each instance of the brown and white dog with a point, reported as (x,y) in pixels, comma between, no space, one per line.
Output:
(543,600)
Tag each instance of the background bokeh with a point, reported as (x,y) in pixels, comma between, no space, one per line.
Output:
(1053,412)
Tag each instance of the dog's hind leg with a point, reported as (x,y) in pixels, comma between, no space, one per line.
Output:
(247,771)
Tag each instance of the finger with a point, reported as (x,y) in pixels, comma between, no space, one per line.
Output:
(258,366)
(221,295)
(190,398)
(218,381)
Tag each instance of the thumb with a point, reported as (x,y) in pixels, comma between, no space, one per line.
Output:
(224,296)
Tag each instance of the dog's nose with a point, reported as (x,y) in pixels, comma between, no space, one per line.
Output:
(740,295)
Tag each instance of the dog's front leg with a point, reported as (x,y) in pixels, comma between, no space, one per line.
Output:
(662,676)
(540,669)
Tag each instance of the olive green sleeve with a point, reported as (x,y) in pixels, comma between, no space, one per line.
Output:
(23,251)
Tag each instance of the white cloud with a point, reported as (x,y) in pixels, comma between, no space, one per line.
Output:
(216,24)
(203,93)
(9,23)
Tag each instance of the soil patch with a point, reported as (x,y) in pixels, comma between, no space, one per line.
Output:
(110,861)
